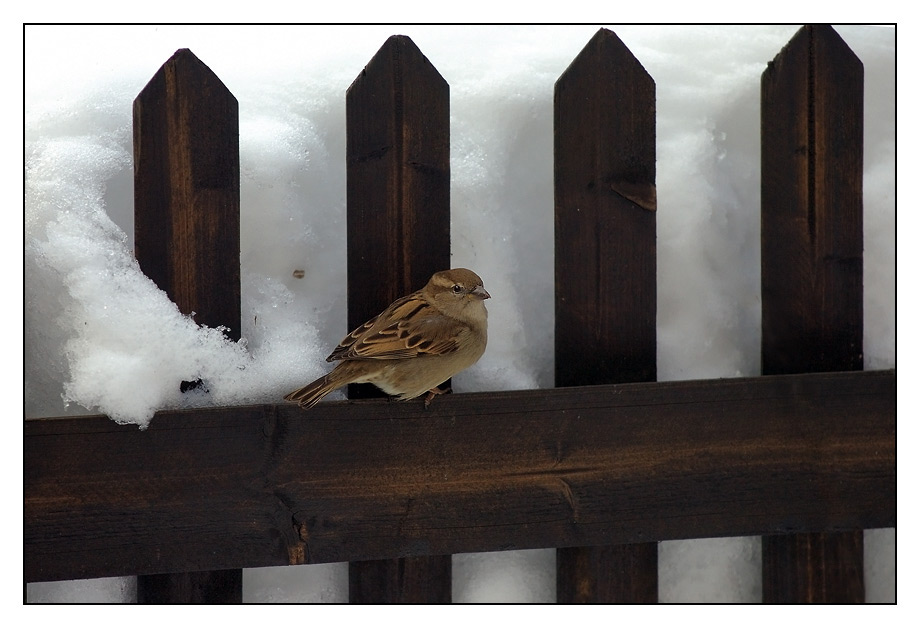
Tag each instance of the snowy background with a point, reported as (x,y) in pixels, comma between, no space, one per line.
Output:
(100,338)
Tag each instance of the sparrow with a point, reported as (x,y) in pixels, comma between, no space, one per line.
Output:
(412,346)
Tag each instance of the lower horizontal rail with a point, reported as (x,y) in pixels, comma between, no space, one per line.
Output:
(257,486)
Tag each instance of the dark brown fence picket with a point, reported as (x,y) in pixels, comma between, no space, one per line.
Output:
(187,235)
(812,267)
(605,205)
(398,180)
(187,190)
(609,469)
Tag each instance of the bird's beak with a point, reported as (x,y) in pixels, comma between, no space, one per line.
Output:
(480,292)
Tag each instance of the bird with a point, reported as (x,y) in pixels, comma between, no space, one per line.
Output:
(420,341)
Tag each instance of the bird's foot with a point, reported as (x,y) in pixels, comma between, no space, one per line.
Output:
(436,391)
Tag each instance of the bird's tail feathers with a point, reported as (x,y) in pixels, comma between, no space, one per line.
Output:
(309,395)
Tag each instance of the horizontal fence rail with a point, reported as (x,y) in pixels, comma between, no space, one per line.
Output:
(258,486)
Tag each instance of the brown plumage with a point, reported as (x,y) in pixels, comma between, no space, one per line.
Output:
(415,344)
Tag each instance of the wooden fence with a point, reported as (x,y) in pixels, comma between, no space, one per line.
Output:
(603,467)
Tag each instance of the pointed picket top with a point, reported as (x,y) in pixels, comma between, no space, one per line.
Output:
(605,53)
(199,103)
(184,62)
(398,176)
(612,92)
(397,55)
(817,50)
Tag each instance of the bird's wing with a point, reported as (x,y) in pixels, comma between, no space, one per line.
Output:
(408,328)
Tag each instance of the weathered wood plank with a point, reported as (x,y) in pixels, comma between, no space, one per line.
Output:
(607,573)
(257,486)
(811,204)
(410,580)
(818,567)
(605,269)
(198,587)
(604,144)
(398,187)
(812,279)
(187,190)
(187,233)
(398,166)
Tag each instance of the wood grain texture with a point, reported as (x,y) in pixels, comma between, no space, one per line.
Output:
(812,267)
(820,567)
(811,206)
(187,233)
(257,486)
(604,142)
(411,580)
(187,190)
(607,574)
(605,206)
(200,587)
(398,180)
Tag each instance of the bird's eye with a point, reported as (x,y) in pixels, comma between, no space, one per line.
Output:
(457,288)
